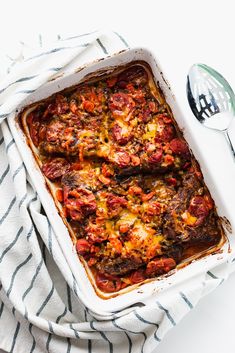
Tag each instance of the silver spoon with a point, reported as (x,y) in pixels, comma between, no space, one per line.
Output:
(211,99)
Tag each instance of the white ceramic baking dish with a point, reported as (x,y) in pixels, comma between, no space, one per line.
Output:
(151,289)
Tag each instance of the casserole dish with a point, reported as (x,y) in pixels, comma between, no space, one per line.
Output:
(86,290)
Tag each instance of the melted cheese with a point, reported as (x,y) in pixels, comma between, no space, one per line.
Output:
(145,241)
(150,131)
(141,231)
(127,217)
(103,150)
(188,218)
(86,133)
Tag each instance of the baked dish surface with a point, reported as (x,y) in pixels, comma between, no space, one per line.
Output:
(123,178)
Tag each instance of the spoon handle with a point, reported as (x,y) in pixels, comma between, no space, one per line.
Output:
(229,142)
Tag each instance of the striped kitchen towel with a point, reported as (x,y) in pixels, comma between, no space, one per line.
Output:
(39,307)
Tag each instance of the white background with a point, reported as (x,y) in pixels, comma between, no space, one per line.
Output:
(180,33)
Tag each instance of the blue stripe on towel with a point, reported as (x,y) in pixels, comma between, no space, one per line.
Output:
(167,313)
(102,46)
(8,248)
(15,337)
(187,301)
(45,302)
(28,258)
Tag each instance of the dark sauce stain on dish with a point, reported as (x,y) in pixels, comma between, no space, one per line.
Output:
(226,224)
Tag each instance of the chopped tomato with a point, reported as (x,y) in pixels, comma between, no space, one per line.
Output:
(76,166)
(120,135)
(169,159)
(107,285)
(200,207)
(59,195)
(137,276)
(55,168)
(116,244)
(115,204)
(179,146)
(167,133)
(150,147)
(153,208)
(54,131)
(83,247)
(88,106)
(165,117)
(94,249)
(104,180)
(106,170)
(79,202)
(153,107)
(123,159)
(121,101)
(96,233)
(135,160)
(135,190)
(80,152)
(147,197)
(124,228)
(160,266)
(73,106)
(156,157)
(92,261)
(171,181)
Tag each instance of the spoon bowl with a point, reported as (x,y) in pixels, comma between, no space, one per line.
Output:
(211,99)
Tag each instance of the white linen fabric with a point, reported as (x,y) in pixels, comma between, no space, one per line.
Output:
(39,307)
